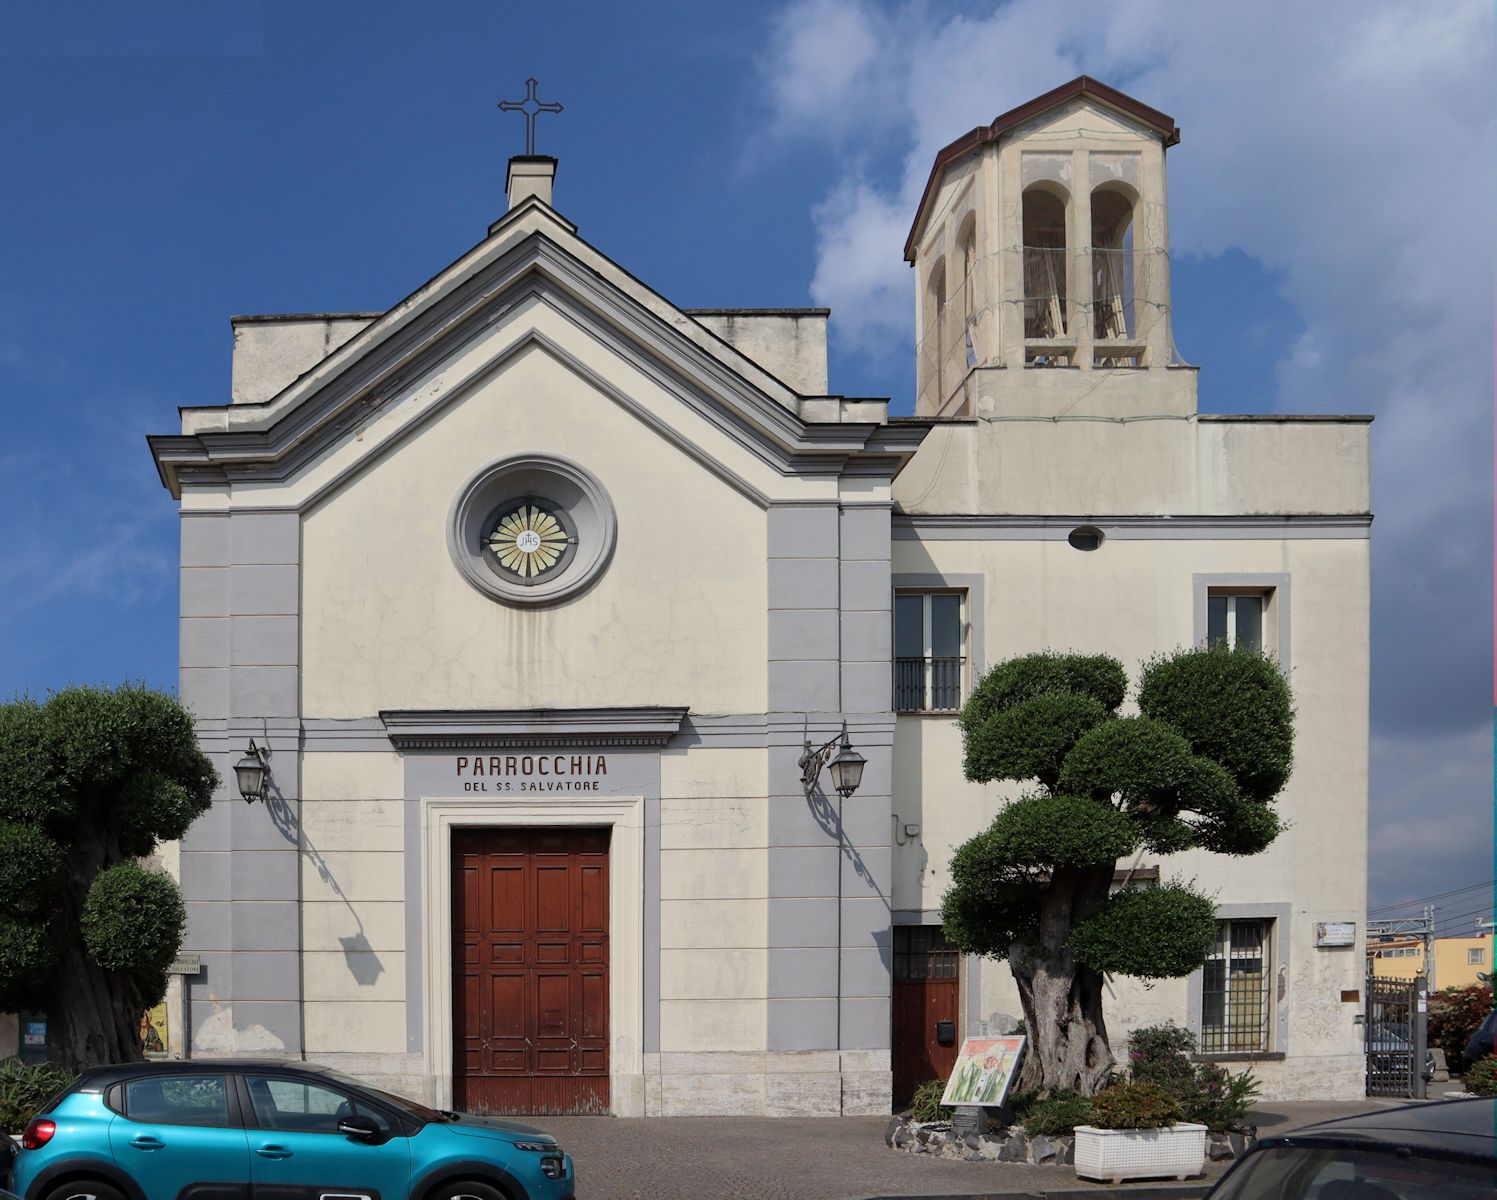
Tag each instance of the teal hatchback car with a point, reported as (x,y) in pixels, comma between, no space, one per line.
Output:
(264,1130)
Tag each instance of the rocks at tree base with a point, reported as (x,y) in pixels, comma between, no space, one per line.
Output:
(1013,1145)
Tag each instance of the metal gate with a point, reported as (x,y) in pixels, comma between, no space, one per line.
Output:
(1395,1028)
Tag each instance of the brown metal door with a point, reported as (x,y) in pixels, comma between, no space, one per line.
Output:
(926,989)
(530,970)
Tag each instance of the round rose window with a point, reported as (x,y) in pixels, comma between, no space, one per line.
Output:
(529,540)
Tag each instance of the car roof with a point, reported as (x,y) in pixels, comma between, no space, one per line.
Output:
(104,1076)
(1467,1127)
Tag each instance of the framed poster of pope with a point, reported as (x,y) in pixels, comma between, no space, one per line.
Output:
(984,1070)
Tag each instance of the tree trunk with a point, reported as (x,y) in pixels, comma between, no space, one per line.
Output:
(1067,1047)
(96,1017)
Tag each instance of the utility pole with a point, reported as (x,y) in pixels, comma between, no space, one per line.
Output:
(1421,927)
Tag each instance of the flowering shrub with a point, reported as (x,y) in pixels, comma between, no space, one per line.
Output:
(1207,1093)
(1454,1014)
(1134,1106)
(1481,1079)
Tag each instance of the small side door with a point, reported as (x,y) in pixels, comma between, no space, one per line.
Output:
(298,1153)
(181,1135)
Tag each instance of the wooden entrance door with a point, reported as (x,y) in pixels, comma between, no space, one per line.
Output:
(926,989)
(530,970)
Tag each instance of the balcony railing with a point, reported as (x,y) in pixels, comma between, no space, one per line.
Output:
(928,684)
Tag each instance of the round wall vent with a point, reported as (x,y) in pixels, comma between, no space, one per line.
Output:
(1085,537)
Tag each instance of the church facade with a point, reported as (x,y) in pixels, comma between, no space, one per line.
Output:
(533,592)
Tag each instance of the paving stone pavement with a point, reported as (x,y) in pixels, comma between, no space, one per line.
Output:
(777,1158)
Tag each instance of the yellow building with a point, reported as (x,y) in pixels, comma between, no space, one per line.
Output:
(1396,958)
(1460,961)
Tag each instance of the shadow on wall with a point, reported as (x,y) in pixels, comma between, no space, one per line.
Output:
(358,955)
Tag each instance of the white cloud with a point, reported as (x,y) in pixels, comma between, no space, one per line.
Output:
(1347,147)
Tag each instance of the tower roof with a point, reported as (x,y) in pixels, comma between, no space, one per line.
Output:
(1081,86)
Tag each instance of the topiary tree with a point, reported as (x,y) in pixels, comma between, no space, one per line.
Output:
(92,780)
(1198,767)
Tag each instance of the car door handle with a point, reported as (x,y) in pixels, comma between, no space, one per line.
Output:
(272,1151)
(146,1142)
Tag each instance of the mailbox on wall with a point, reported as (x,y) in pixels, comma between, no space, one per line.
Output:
(946,1033)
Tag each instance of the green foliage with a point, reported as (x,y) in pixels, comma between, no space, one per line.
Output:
(94,776)
(1134,1106)
(1061,831)
(25,956)
(925,1104)
(1143,762)
(1206,1093)
(1232,705)
(132,922)
(30,868)
(1057,1114)
(1454,1014)
(25,1091)
(1481,1079)
(1096,675)
(1159,1043)
(991,904)
(31,790)
(1198,768)
(1029,740)
(1154,933)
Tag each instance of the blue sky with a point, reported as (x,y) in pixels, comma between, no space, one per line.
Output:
(168,164)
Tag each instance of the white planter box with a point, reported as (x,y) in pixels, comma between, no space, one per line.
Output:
(1112,1155)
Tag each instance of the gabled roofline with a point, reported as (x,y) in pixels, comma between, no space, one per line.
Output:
(269,445)
(1081,86)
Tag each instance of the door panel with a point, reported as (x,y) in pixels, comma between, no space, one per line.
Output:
(926,991)
(181,1132)
(530,967)
(297,1153)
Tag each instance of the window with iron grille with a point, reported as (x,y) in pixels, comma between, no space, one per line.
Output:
(1235,989)
(922,952)
(1476,957)
(929,651)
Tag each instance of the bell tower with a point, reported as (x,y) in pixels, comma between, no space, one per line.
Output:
(1041,254)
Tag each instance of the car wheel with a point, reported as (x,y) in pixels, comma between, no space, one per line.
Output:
(85,1189)
(467,1190)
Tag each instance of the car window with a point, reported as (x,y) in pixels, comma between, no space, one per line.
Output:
(296,1105)
(178,1100)
(1293,1173)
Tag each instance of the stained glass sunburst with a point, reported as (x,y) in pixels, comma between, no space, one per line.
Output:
(529,541)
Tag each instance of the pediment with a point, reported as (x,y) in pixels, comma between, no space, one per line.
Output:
(532,255)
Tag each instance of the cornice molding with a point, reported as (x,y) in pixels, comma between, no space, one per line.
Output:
(461,729)
(381,371)
(951,527)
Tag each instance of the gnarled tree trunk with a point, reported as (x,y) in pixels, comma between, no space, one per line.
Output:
(1067,1047)
(98,1021)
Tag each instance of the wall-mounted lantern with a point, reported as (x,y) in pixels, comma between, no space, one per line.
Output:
(846,769)
(251,771)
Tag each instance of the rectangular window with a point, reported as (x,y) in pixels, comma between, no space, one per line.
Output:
(1476,958)
(929,651)
(178,1100)
(1237,618)
(922,952)
(1235,989)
